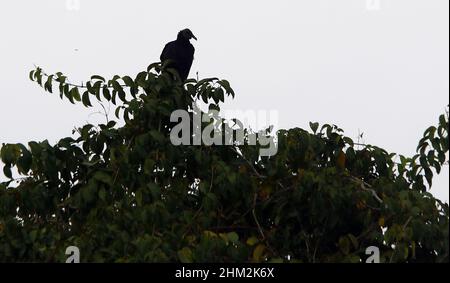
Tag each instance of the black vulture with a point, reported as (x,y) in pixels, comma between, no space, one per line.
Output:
(181,53)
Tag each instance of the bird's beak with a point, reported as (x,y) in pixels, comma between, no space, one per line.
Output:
(193,36)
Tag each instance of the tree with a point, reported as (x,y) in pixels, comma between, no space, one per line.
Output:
(127,194)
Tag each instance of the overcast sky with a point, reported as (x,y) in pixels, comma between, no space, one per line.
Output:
(376,67)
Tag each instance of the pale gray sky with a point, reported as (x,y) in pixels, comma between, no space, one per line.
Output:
(382,70)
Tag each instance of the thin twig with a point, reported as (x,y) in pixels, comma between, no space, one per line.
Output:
(118,169)
(249,163)
(315,250)
(71,84)
(254,169)
(366,187)
(260,229)
(105,112)
(396,244)
(256,219)
(197,213)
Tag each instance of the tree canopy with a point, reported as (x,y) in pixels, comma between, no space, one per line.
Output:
(127,194)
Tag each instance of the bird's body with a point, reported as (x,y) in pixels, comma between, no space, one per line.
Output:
(181,53)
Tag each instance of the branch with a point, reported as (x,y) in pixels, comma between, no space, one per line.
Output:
(82,86)
(254,169)
(260,229)
(249,163)
(256,219)
(366,187)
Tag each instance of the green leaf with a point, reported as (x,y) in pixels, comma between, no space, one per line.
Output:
(128,81)
(134,91)
(204,96)
(7,171)
(344,245)
(252,241)
(38,76)
(9,154)
(429,176)
(153,66)
(233,237)
(117,112)
(442,120)
(218,95)
(31,76)
(119,89)
(106,93)
(126,116)
(139,198)
(185,255)
(97,88)
(141,79)
(157,136)
(25,160)
(61,89)
(149,166)
(74,92)
(353,240)
(258,253)
(96,77)
(122,95)
(226,85)
(86,101)
(214,107)
(35,148)
(90,88)
(111,124)
(48,84)
(103,177)
(68,94)
(89,193)
(314,127)
(348,141)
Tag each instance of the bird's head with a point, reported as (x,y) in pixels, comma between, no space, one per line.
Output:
(186,34)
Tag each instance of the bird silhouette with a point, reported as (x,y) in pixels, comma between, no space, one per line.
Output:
(181,53)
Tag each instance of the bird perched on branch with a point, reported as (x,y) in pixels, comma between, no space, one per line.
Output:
(181,53)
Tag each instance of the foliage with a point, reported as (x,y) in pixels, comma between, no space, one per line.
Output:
(126,194)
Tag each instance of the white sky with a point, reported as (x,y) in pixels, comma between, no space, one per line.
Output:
(384,72)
